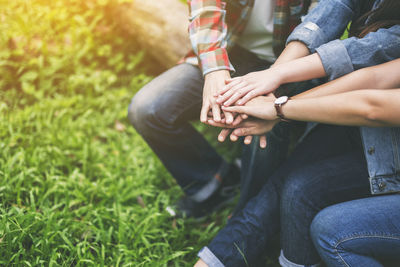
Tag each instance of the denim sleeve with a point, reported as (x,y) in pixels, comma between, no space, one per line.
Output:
(209,258)
(340,57)
(326,22)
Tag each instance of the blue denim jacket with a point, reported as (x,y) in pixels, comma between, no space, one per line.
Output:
(320,31)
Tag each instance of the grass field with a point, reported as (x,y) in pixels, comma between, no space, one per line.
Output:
(78,185)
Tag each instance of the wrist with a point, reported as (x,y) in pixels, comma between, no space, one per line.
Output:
(278,104)
(213,81)
(218,74)
(283,73)
(277,74)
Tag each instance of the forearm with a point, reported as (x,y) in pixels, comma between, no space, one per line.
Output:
(359,108)
(301,69)
(243,89)
(385,76)
(355,81)
(292,51)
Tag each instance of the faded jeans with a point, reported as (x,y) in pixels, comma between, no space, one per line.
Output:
(363,232)
(328,167)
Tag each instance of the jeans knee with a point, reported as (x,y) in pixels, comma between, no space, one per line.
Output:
(141,111)
(322,231)
(137,113)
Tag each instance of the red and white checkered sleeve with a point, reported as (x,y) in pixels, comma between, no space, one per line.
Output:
(208,34)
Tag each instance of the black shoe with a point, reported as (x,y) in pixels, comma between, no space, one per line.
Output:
(224,194)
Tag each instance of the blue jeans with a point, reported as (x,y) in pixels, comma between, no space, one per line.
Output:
(328,167)
(363,232)
(161,112)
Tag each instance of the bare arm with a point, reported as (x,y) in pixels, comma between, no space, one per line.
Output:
(360,108)
(254,84)
(292,51)
(373,108)
(294,64)
(341,101)
(383,76)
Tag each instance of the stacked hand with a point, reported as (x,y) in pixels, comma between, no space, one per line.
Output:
(256,117)
(239,98)
(240,90)
(214,81)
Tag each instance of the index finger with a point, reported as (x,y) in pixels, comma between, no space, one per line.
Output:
(227,87)
(228,117)
(216,113)
(263,141)
(204,111)
(223,134)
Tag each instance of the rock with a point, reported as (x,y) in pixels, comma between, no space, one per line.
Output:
(159,27)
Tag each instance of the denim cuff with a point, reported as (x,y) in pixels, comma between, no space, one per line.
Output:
(384,184)
(308,33)
(209,258)
(336,59)
(284,262)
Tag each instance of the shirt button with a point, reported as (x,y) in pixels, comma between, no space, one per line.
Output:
(371,150)
(382,185)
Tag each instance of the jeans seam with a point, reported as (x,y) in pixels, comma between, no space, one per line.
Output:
(358,237)
(395,148)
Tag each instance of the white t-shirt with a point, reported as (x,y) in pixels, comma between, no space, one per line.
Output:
(257,37)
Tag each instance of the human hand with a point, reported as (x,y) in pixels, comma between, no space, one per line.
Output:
(236,118)
(261,107)
(240,90)
(254,127)
(247,128)
(247,139)
(214,81)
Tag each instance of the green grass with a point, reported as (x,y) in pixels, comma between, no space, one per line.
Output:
(78,185)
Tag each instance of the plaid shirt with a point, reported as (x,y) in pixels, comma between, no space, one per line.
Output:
(216,24)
